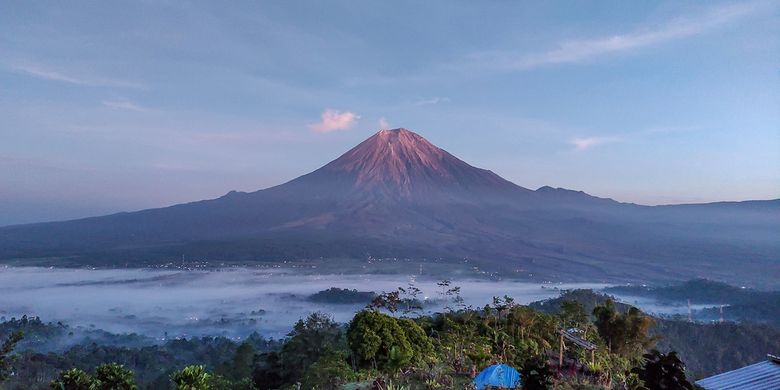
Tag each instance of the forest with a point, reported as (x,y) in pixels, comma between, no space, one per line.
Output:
(391,345)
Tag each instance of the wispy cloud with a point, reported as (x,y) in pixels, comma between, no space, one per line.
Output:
(433,100)
(579,51)
(585,143)
(125,105)
(334,120)
(45,73)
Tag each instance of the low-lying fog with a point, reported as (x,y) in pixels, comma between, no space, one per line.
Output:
(231,302)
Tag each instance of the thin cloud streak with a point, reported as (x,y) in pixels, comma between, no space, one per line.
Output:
(580,51)
(125,105)
(585,143)
(44,73)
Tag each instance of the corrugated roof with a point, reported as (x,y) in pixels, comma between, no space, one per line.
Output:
(577,340)
(764,376)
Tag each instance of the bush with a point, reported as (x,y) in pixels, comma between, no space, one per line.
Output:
(113,376)
(192,378)
(73,379)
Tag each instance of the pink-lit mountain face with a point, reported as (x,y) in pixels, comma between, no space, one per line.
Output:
(400,164)
(397,195)
(393,184)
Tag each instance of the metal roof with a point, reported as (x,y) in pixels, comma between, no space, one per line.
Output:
(764,376)
(577,340)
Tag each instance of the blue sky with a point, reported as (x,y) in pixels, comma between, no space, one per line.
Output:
(112,106)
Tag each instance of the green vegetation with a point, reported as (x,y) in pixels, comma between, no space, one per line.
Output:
(663,371)
(192,378)
(45,337)
(382,348)
(587,299)
(382,342)
(716,347)
(625,334)
(113,376)
(152,364)
(536,374)
(5,353)
(312,340)
(73,379)
(109,376)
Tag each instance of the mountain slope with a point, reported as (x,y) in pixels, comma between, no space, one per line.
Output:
(401,164)
(397,195)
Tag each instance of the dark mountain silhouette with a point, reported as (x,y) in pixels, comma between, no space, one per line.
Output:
(397,195)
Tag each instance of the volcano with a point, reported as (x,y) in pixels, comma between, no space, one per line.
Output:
(400,164)
(396,195)
(395,167)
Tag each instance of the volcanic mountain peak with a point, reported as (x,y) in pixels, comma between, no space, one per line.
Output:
(391,155)
(403,162)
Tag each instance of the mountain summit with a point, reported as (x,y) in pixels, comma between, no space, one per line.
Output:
(396,195)
(400,164)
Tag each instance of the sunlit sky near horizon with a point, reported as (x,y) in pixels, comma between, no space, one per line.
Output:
(115,106)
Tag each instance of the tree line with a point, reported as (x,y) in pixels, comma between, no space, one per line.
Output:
(387,345)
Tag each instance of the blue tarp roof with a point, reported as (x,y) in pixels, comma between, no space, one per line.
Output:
(498,375)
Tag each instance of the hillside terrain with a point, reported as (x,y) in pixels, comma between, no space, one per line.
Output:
(396,195)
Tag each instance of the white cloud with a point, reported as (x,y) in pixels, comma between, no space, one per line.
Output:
(578,51)
(45,73)
(334,120)
(383,124)
(585,143)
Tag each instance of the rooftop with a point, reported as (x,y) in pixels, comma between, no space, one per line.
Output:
(763,375)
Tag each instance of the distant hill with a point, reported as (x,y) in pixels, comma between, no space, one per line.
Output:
(589,299)
(335,295)
(397,195)
(697,290)
(740,304)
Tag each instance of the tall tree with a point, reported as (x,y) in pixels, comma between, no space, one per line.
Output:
(663,372)
(328,372)
(268,373)
(309,340)
(243,362)
(625,334)
(386,342)
(573,314)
